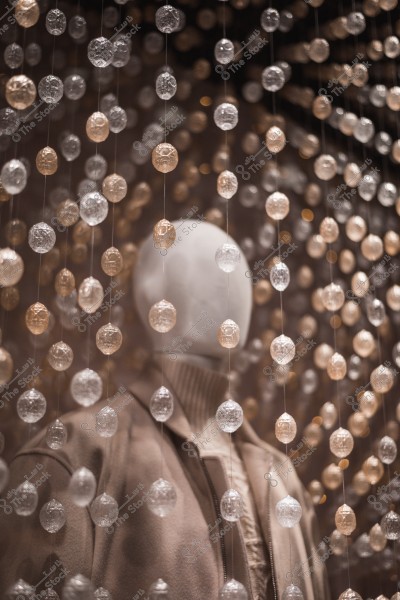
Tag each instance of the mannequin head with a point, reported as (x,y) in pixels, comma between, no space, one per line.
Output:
(196,287)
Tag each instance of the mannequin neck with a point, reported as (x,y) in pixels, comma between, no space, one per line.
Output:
(197,360)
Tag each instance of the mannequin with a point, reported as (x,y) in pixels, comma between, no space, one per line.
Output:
(192,549)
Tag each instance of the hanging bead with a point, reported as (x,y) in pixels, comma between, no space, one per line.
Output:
(109,339)
(114,188)
(162,316)
(159,590)
(162,404)
(292,592)
(90,295)
(232,506)
(112,261)
(86,387)
(164,157)
(78,587)
(47,161)
(345,520)
(288,512)
(283,349)
(229,416)
(56,435)
(37,318)
(82,486)
(31,406)
(104,510)
(285,428)
(60,356)
(227,257)
(227,184)
(341,442)
(164,234)
(232,590)
(52,516)
(228,334)
(162,497)
(106,422)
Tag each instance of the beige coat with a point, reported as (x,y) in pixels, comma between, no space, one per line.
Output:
(187,548)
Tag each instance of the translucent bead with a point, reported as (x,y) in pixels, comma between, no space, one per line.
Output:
(336,367)
(373,469)
(162,404)
(227,257)
(78,587)
(270,20)
(277,206)
(100,52)
(27,13)
(11,267)
(164,157)
(14,176)
(97,127)
(4,474)
(363,343)
(355,23)
(96,167)
(227,184)
(52,516)
(77,28)
(9,121)
(345,520)
(26,499)
(86,387)
(377,539)
(31,406)
(106,422)
(56,435)
(382,379)
(20,92)
(37,318)
(318,50)
(272,78)
(64,283)
(390,525)
(233,590)
(51,89)
(159,590)
(292,592)
(232,506)
(364,130)
(338,543)
(41,238)
(111,261)
(13,56)
(387,450)
(282,349)
(341,442)
(162,316)
(20,591)
(70,147)
(114,188)
(74,87)
(109,339)
(224,51)
(275,139)
(82,487)
(164,234)
(33,54)
(161,498)
(288,512)
(279,276)
(228,334)
(90,295)
(229,416)
(376,312)
(93,208)
(6,366)
(325,167)
(60,356)
(285,428)
(104,510)
(226,116)
(333,297)
(350,594)
(117,119)
(166,86)
(56,22)
(167,19)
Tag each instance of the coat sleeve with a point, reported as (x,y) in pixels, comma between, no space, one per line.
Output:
(28,551)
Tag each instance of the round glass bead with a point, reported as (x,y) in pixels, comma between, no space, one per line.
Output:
(26,499)
(166,86)
(345,520)
(226,116)
(229,416)
(350,594)
(27,13)
(336,367)
(288,512)
(167,19)
(14,176)
(104,510)
(224,51)
(159,590)
(106,422)
(387,450)
(390,525)
(272,78)
(164,157)
(277,206)
(86,387)
(114,187)
(82,486)
(341,442)
(56,435)
(70,147)
(41,238)
(164,234)
(56,22)
(117,119)
(52,516)
(285,428)
(97,127)
(228,334)
(11,267)
(227,257)
(93,208)
(20,92)
(270,20)
(9,121)
(51,89)
(78,587)
(292,592)
(282,349)
(60,356)
(109,339)
(111,261)
(233,590)
(74,87)
(90,295)
(31,406)
(20,591)
(162,316)
(47,161)
(102,594)
(162,404)
(280,276)
(13,56)
(227,184)
(100,52)
(232,506)
(162,498)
